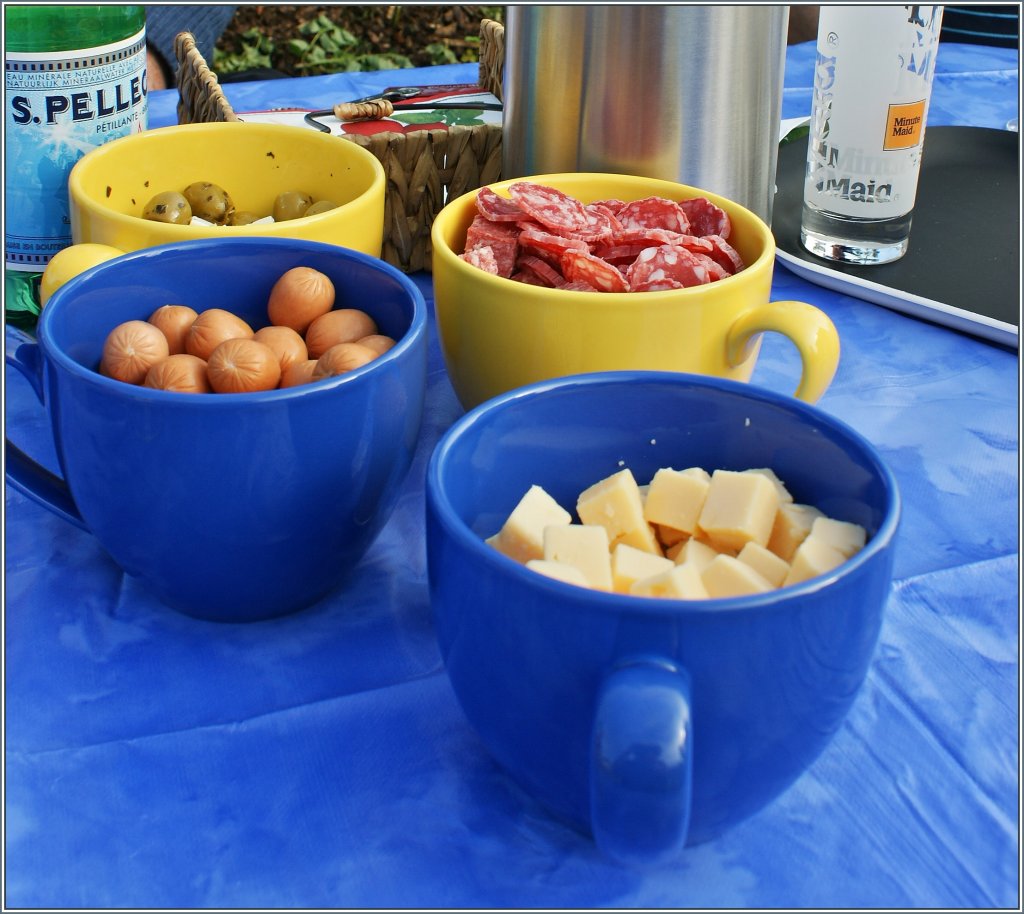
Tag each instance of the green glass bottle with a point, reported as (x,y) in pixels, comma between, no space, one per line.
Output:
(75,78)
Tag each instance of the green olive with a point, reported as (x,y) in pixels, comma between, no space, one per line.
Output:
(209,202)
(321,206)
(242,217)
(170,207)
(292,204)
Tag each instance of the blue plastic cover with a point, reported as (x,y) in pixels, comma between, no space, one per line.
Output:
(320,760)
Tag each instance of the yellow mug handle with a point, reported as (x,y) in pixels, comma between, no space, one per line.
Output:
(810,329)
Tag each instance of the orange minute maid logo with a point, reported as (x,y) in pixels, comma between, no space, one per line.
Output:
(904,125)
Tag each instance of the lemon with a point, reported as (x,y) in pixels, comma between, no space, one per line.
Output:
(67,264)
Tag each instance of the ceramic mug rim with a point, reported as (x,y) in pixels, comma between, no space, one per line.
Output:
(54,353)
(589,600)
(89,203)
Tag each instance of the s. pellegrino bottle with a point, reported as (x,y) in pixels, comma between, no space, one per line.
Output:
(74,78)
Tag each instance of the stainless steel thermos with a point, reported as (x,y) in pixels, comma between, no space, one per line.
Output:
(684,93)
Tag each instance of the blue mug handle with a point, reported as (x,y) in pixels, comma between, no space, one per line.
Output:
(641,765)
(22,352)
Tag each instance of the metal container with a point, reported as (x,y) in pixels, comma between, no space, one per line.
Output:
(684,93)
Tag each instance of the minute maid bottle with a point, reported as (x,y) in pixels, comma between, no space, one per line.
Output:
(75,78)
(872,87)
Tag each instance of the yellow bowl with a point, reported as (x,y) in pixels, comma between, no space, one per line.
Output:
(498,334)
(254,163)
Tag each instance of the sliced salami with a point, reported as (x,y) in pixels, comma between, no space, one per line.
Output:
(668,262)
(533,236)
(580,267)
(529,278)
(544,237)
(724,253)
(601,224)
(657,285)
(550,207)
(715,270)
(612,204)
(545,273)
(694,243)
(619,253)
(482,258)
(493,206)
(648,237)
(500,237)
(654,212)
(506,253)
(606,210)
(706,218)
(482,231)
(554,258)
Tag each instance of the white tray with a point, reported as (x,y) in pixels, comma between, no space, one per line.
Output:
(962,269)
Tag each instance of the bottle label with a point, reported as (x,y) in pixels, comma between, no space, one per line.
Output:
(59,106)
(872,85)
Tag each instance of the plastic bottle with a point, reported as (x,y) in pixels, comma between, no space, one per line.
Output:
(872,86)
(75,78)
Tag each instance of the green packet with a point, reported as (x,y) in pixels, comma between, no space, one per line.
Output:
(21,299)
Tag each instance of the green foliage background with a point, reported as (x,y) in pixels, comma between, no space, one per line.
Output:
(324,45)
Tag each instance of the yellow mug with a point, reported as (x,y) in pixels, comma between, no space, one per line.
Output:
(109,187)
(498,334)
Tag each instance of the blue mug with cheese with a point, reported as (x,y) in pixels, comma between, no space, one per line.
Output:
(651,722)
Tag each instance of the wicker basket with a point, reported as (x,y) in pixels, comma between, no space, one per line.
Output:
(423,168)
(492,57)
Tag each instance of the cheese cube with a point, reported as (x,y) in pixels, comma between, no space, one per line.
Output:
(739,508)
(792,526)
(669,536)
(695,552)
(676,497)
(784,497)
(560,571)
(681,582)
(845,537)
(583,545)
(765,563)
(727,576)
(615,504)
(813,557)
(522,535)
(630,564)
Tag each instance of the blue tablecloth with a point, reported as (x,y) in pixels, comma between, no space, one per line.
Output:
(321,760)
